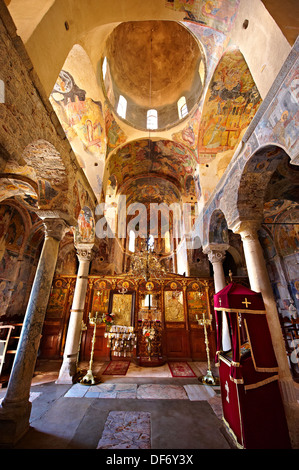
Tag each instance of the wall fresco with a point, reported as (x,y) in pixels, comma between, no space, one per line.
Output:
(80,116)
(218,232)
(115,135)
(230,104)
(159,158)
(11,187)
(218,14)
(85,229)
(279,123)
(12,238)
(152,190)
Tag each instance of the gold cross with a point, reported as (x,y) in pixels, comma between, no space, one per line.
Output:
(219,301)
(246,302)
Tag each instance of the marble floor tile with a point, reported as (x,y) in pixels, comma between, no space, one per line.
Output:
(126,391)
(126,430)
(162,392)
(77,391)
(199,392)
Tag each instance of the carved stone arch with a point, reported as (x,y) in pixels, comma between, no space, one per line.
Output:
(244,194)
(42,157)
(255,177)
(20,187)
(54,181)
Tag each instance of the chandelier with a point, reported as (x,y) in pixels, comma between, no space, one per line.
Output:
(145,264)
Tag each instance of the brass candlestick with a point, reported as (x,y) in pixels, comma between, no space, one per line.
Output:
(83,328)
(89,379)
(207,379)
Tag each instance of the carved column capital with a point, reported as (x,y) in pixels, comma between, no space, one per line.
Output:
(216,252)
(84,251)
(216,256)
(247,229)
(55,228)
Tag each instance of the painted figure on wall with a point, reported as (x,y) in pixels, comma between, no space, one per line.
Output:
(85,230)
(218,232)
(80,116)
(218,14)
(231,102)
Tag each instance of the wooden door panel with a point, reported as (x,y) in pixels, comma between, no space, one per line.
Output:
(177,345)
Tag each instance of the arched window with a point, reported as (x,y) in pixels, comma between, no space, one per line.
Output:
(150,243)
(132,241)
(152,119)
(122,106)
(167,242)
(182,107)
(148,301)
(104,67)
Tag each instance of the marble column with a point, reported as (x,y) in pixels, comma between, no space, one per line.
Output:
(69,365)
(260,282)
(216,255)
(16,407)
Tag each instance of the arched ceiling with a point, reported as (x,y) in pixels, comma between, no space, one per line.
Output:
(149,190)
(152,64)
(151,160)
(181,35)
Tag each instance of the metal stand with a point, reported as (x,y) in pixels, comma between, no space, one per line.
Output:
(89,379)
(207,379)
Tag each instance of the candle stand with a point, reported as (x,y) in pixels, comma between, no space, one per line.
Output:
(89,379)
(207,379)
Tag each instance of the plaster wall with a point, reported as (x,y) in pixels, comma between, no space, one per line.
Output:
(262,43)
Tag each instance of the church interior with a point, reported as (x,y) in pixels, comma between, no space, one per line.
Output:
(149,232)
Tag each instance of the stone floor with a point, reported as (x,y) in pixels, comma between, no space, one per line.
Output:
(145,409)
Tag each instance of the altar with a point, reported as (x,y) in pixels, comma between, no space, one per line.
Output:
(161,315)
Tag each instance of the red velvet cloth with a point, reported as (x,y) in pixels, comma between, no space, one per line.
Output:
(251,400)
(230,402)
(256,416)
(234,295)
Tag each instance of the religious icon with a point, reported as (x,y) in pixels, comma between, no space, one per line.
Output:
(122,308)
(149,285)
(174,307)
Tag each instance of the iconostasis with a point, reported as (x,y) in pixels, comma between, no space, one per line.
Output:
(162,314)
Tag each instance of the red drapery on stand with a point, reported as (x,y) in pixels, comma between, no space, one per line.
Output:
(251,400)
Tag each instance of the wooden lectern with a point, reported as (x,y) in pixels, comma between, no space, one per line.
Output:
(252,405)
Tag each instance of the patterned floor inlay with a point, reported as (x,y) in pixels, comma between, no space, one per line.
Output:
(126,430)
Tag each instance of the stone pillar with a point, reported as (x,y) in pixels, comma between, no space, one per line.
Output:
(16,407)
(69,365)
(260,282)
(216,255)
